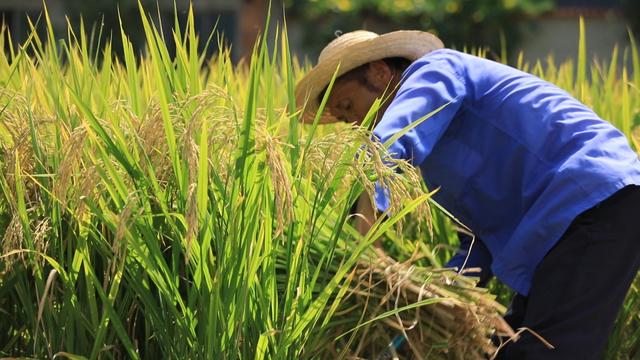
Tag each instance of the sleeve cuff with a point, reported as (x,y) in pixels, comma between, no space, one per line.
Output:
(381,197)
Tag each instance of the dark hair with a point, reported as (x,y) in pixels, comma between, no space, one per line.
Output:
(399,64)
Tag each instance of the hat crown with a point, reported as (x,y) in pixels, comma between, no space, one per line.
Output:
(344,41)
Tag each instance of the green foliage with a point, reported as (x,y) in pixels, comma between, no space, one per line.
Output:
(168,206)
(458,23)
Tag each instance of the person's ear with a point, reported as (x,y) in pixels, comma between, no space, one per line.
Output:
(379,74)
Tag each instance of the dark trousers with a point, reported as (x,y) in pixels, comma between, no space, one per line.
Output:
(580,285)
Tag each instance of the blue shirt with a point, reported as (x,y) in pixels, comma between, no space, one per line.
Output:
(515,157)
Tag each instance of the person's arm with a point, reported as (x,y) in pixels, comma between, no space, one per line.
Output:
(427,86)
(476,255)
(365,214)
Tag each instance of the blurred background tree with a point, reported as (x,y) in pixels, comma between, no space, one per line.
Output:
(105,13)
(459,23)
(631,9)
(101,16)
(538,27)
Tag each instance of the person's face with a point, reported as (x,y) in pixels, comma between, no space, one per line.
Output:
(350,99)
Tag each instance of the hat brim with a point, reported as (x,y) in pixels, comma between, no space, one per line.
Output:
(409,44)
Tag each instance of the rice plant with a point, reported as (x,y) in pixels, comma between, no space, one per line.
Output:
(172,206)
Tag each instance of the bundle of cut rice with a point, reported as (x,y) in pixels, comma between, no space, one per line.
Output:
(420,313)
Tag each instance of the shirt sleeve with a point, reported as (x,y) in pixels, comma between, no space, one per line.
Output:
(427,87)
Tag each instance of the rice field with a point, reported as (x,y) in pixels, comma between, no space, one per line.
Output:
(166,205)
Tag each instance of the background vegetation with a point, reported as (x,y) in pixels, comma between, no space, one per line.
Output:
(491,23)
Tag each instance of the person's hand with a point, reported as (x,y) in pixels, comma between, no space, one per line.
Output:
(503,329)
(365,216)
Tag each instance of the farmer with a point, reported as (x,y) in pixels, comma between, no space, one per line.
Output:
(549,189)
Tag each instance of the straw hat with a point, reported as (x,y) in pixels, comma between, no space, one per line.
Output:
(351,50)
